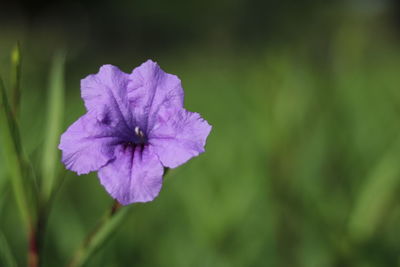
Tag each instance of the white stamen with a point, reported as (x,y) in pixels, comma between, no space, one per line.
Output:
(138,132)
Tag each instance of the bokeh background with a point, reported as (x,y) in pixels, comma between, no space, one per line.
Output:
(302,167)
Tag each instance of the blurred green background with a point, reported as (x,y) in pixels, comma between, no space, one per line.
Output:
(302,167)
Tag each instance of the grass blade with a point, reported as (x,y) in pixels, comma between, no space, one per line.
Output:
(13,155)
(6,257)
(55,109)
(375,196)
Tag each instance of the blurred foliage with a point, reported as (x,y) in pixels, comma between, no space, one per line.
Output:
(302,166)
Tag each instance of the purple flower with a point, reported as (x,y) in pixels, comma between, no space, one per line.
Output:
(135,126)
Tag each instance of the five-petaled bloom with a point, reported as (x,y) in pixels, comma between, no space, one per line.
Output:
(135,126)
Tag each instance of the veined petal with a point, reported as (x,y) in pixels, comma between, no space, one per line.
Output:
(178,136)
(135,175)
(149,89)
(105,94)
(87,145)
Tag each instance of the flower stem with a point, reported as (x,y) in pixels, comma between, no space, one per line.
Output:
(33,251)
(100,234)
(36,237)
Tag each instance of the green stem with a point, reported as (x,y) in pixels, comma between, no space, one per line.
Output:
(100,234)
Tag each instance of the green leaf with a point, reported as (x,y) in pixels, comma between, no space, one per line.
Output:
(55,115)
(6,257)
(13,155)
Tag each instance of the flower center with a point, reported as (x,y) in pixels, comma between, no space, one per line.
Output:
(138,138)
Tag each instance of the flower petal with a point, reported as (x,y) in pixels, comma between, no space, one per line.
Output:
(105,94)
(134,176)
(149,89)
(87,145)
(178,136)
